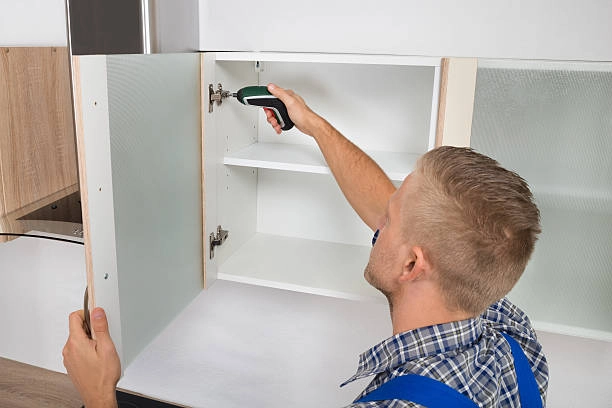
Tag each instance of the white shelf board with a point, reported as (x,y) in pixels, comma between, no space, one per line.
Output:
(280,156)
(308,159)
(302,265)
(407,60)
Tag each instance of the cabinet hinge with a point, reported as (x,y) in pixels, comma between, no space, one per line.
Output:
(216,96)
(216,239)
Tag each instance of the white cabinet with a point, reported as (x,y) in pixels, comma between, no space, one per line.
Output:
(551,123)
(144,125)
(289,225)
(160,173)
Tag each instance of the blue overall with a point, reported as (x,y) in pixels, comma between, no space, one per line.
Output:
(435,394)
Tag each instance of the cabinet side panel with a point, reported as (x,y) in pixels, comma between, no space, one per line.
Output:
(236,188)
(210,160)
(37,153)
(155,126)
(93,144)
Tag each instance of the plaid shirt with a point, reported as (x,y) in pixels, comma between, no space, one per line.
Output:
(471,356)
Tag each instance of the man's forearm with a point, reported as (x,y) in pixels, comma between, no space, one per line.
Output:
(364,184)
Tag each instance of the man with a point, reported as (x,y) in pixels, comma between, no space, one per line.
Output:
(449,244)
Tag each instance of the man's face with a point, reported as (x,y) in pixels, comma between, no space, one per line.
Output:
(386,261)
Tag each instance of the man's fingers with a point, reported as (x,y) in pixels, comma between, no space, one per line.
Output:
(285,95)
(271,117)
(75,323)
(277,91)
(98,321)
(99,324)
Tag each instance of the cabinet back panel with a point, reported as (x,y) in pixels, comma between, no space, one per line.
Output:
(378,107)
(307,206)
(155,136)
(237,203)
(236,123)
(553,127)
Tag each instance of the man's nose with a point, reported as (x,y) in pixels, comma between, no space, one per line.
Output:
(375,237)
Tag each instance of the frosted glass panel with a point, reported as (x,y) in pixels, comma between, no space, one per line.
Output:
(154,112)
(554,128)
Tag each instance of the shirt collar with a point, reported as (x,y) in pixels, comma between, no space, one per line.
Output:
(415,344)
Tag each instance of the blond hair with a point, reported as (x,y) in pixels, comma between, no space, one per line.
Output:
(477,224)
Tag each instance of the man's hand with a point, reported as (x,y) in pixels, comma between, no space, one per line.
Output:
(92,365)
(302,116)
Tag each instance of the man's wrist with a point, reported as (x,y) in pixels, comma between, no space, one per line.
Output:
(108,401)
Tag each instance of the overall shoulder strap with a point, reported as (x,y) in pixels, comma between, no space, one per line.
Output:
(529,392)
(435,394)
(421,390)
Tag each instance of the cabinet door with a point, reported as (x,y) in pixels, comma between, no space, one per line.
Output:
(37,152)
(139,135)
(550,122)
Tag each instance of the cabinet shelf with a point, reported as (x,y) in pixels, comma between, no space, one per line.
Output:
(302,265)
(574,200)
(308,159)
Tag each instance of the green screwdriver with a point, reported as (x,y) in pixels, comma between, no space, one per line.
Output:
(260,96)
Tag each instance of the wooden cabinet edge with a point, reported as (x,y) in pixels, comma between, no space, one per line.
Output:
(457,89)
(80,147)
(203,105)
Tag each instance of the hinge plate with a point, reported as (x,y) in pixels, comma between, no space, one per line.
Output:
(216,96)
(216,239)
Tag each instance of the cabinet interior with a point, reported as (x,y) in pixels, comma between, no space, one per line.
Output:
(289,224)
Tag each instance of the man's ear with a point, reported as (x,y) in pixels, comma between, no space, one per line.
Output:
(415,265)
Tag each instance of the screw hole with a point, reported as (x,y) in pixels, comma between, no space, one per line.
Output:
(106,276)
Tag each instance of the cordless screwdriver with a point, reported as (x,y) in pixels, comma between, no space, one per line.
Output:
(260,96)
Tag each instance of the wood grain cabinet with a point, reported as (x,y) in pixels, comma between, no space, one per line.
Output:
(37,144)
(163,172)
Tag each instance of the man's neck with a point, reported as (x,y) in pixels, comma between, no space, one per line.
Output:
(413,312)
